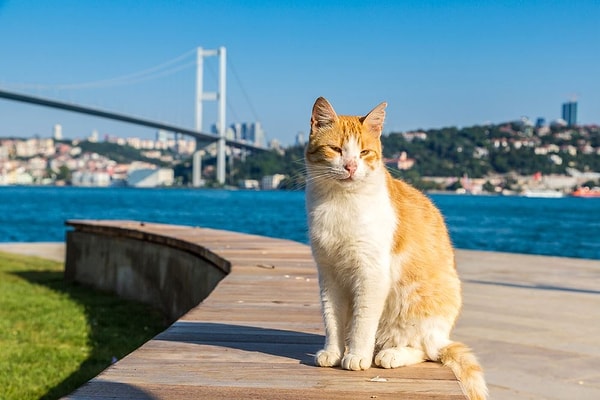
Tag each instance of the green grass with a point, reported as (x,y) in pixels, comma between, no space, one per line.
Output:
(55,336)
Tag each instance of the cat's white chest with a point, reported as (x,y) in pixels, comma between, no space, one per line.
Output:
(351,229)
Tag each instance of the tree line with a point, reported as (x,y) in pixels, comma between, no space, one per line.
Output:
(477,151)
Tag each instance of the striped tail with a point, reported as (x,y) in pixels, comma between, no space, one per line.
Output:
(465,366)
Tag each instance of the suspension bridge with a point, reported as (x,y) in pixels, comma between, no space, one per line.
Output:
(202,138)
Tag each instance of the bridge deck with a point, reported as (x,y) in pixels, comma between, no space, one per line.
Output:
(254,337)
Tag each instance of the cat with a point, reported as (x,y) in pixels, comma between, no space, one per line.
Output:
(390,293)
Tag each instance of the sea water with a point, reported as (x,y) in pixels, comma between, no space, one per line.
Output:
(565,227)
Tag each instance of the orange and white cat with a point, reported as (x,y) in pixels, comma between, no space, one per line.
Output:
(389,288)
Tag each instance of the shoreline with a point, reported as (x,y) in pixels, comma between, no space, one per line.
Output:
(531,193)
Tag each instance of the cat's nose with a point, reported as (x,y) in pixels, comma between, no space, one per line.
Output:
(350,166)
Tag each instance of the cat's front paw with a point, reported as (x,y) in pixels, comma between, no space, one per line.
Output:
(325,358)
(354,362)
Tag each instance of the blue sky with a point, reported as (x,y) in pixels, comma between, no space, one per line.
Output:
(444,63)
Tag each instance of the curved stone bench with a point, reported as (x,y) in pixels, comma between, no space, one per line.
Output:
(253,334)
(161,265)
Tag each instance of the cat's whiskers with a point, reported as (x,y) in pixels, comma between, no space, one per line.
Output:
(326,176)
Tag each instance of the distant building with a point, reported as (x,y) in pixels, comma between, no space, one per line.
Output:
(57,133)
(237,131)
(300,139)
(250,132)
(253,133)
(410,136)
(90,178)
(162,136)
(93,137)
(249,184)
(401,162)
(150,177)
(271,182)
(274,144)
(524,121)
(540,122)
(569,113)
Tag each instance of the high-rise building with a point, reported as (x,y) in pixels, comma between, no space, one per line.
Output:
(258,135)
(250,132)
(569,113)
(540,122)
(237,131)
(57,132)
(162,135)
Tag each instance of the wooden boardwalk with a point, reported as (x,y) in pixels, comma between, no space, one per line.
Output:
(254,337)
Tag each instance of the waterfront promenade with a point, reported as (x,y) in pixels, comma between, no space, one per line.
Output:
(533,322)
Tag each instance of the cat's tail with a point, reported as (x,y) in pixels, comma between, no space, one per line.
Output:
(465,366)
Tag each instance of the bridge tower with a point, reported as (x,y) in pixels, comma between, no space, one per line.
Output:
(219,96)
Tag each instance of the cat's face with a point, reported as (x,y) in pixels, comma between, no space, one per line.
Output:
(343,149)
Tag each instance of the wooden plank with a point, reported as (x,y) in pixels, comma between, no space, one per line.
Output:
(276,375)
(112,390)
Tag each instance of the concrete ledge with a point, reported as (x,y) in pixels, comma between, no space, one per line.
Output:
(171,274)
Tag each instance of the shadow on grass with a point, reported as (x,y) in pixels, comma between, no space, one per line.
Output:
(117,326)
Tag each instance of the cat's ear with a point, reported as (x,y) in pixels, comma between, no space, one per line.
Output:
(374,119)
(322,114)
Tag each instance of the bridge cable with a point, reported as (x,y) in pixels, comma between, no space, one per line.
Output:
(236,76)
(144,75)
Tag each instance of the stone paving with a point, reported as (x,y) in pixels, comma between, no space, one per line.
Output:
(534,323)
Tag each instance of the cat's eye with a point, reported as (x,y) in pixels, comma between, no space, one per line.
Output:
(336,149)
(364,152)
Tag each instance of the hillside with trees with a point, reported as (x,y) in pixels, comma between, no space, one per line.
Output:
(477,151)
(498,149)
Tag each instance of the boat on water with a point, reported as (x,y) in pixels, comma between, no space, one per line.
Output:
(585,191)
(546,193)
